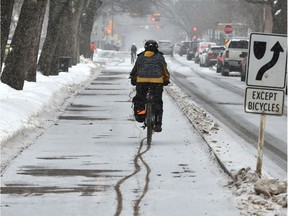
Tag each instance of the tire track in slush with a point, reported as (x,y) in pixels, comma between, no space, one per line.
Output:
(137,167)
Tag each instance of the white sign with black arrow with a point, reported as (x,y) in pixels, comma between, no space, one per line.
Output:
(267,60)
(266,73)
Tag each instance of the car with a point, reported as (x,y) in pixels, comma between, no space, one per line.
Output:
(231,56)
(244,62)
(183,47)
(200,48)
(166,47)
(210,55)
(191,50)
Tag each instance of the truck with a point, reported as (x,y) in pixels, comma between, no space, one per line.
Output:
(231,59)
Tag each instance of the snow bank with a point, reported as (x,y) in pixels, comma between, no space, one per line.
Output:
(20,110)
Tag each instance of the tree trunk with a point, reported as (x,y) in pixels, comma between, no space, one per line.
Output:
(21,57)
(68,42)
(86,27)
(6,14)
(48,61)
(32,71)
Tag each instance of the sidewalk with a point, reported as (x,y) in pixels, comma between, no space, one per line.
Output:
(95,157)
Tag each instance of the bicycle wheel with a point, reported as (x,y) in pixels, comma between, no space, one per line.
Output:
(150,124)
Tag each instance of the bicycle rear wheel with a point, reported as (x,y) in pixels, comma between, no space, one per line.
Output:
(150,124)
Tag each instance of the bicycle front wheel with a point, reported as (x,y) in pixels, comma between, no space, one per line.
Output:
(150,124)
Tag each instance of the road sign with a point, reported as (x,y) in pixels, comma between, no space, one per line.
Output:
(264,101)
(267,60)
(228,29)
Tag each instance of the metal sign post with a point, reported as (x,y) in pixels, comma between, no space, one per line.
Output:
(266,80)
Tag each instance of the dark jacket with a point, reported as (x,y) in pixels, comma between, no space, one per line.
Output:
(150,67)
(133,48)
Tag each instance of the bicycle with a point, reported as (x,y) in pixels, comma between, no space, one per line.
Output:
(150,116)
(133,57)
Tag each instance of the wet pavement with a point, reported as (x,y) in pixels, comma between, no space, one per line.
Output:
(94,161)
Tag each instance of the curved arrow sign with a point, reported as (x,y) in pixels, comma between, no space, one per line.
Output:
(277,48)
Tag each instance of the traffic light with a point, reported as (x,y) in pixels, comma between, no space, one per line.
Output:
(195,28)
(155,17)
(157,26)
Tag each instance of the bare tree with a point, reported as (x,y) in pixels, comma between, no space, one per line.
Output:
(62,34)
(31,73)
(69,37)
(189,13)
(86,26)
(22,56)
(48,61)
(6,14)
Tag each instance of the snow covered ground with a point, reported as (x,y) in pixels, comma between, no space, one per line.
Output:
(26,110)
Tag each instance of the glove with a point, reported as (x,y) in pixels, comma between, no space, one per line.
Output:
(166,83)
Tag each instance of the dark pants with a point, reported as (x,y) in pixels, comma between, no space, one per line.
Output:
(140,98)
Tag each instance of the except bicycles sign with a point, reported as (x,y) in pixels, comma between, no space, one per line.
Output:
(266,74)
(264,101)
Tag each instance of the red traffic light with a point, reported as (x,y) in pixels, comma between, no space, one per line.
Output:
(195,28)
(155,18)
(157,26)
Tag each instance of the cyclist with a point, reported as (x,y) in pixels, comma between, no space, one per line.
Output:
(149,71)
(133,53)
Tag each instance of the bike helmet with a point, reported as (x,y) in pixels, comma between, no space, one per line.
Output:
(151,45)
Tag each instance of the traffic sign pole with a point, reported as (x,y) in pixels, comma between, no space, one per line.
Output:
(260,145)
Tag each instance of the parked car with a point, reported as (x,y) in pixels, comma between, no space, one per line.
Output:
(200,48)
(231,56)
(191,50)
(244,63)
(184,46)
(209,56)
(166,47)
